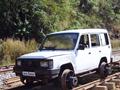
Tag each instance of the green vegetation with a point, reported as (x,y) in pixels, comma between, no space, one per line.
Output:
(10,49)
(24,20)
(116,44)
(34,18)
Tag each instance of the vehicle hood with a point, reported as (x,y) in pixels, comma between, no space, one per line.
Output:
(44,54)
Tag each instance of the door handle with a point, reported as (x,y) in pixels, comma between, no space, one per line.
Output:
(89,53)
(99,51)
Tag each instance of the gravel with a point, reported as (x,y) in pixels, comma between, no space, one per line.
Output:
(6,75)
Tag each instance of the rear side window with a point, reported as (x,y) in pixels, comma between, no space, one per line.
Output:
(104,39)
(95,40)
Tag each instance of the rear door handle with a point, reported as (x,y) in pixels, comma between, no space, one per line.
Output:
(89,53)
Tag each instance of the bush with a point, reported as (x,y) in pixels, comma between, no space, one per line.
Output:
(10,49)
(115,44)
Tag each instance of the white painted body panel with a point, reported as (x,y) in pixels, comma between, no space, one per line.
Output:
(82,60)
(59,57)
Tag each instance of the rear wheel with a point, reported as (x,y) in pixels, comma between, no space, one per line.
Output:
(68,79)
(104,70)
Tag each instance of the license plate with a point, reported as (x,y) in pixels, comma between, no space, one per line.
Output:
(31,74)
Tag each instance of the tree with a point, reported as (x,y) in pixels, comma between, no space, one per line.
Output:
(17,18)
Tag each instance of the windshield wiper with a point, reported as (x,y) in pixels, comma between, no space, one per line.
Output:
(49,48)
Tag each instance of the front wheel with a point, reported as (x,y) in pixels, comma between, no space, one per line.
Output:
(68,79)
(26,81)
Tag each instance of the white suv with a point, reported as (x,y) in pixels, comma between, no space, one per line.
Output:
(66,54)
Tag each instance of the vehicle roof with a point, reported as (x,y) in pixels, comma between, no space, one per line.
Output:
(82,31)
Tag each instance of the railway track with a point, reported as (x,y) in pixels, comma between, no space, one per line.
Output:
(4,69)
(102,84)
(116,52)
(112,82)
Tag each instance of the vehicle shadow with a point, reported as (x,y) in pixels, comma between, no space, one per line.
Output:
(37,86)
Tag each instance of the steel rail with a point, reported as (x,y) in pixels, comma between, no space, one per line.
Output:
(116,52)
(4,69)
(86,86)
(96,82)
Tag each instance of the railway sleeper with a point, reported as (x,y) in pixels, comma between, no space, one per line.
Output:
(11,80)
(115,66)
(105,86)
(99,87)
(110,85)
(117,82)
(113,84)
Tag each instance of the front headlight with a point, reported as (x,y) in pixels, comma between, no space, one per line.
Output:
(44,64)
(19,63)
(50,64)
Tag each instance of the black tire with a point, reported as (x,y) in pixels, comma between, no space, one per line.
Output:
(26,81)
(56,82)
(68,79)
(104,70)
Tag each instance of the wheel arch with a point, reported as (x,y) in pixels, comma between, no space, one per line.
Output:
(103,59)
(66,66)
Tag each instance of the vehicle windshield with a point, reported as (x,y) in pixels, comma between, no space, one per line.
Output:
(63,41)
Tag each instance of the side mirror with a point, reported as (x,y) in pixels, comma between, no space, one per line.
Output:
(81,47)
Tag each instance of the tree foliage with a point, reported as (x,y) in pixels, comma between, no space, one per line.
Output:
(34,18)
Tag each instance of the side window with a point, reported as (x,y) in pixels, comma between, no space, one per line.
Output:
(84,40)
(102,39)
(106,39)
(95,40)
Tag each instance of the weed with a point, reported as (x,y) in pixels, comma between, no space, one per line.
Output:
(10,49)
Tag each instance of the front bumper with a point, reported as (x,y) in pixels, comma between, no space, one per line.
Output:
(40,74)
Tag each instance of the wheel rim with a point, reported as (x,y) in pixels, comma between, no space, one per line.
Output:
(26,81)
(71,80)
(68,80)
(104,70)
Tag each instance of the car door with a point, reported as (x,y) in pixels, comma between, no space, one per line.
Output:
(88,57)
(95,49)
(105,46)
(83,55)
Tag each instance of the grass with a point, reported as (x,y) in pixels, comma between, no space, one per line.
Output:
(10,49)
(115,44)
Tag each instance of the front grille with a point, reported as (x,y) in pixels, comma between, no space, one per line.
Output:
(28,63)
(34,63)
